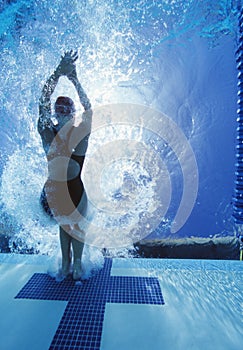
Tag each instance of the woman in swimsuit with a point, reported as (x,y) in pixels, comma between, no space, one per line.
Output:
(64,191)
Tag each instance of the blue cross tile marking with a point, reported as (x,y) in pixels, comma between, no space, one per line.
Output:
(81,323)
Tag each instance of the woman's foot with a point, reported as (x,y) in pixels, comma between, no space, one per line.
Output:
(77,269)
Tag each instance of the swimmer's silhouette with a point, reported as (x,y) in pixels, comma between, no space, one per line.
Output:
(66,165)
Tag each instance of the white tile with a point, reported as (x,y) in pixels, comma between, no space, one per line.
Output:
(25,324)
(29,324)
(130,326)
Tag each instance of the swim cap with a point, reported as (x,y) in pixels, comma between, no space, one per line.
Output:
(64,105)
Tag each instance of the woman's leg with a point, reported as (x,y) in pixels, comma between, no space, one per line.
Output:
(65,240)
(76,191)
(77,257)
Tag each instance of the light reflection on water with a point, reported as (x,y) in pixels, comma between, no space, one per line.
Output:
(212,300)
(202,296)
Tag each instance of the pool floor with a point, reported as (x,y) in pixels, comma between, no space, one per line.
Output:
(146,304)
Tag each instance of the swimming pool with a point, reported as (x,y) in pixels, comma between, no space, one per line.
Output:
(162,78)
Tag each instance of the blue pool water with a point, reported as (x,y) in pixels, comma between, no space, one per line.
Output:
(174,58)
(162,79)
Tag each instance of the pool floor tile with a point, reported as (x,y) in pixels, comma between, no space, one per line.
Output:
(122,306)
(82,321)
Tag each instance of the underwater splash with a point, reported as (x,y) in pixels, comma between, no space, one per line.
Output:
(139,52)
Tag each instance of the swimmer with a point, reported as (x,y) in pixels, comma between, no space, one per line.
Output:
(54,191)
